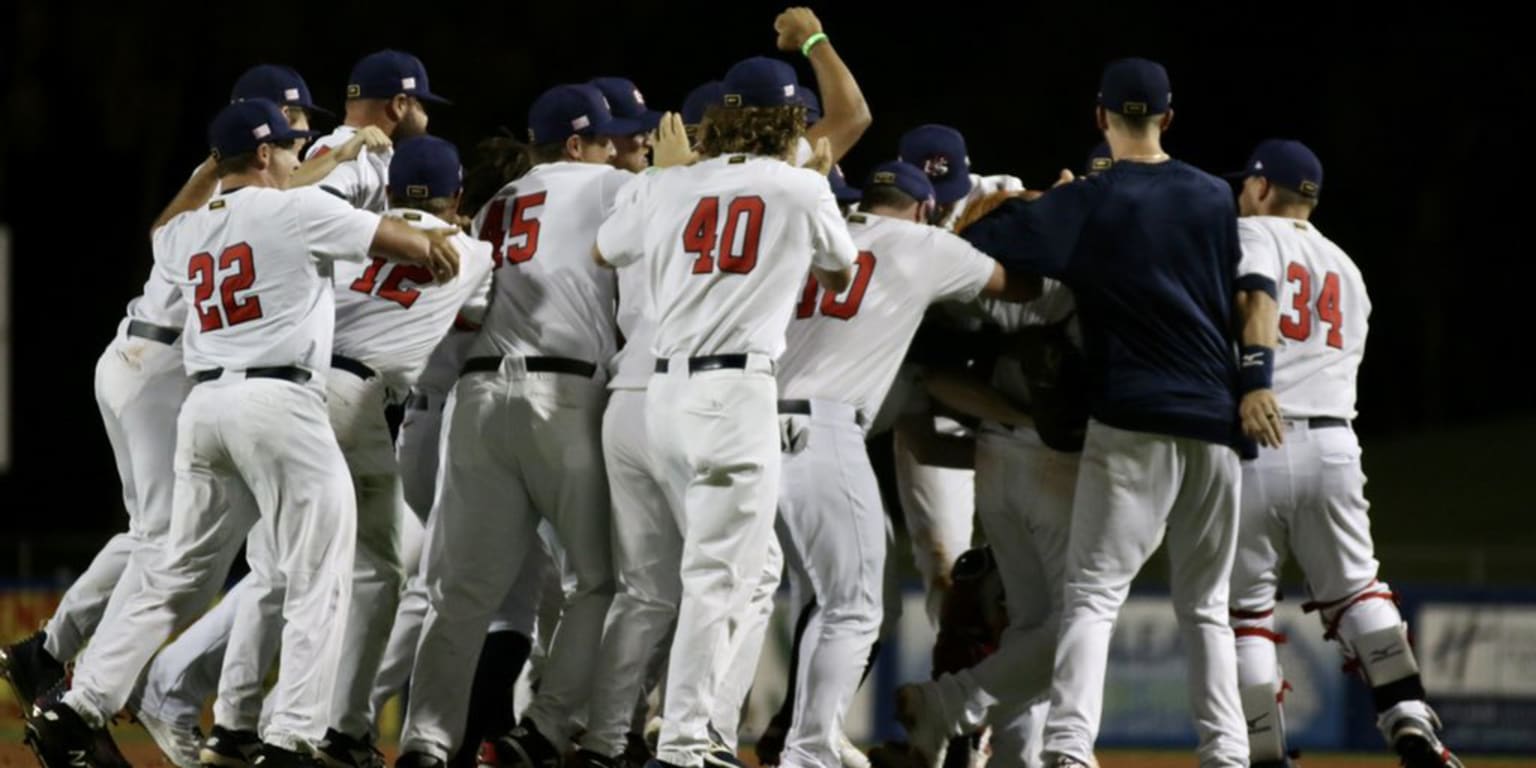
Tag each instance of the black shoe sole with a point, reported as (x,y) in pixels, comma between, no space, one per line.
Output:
(1417,752)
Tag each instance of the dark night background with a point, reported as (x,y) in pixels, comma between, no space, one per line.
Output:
(1422,120)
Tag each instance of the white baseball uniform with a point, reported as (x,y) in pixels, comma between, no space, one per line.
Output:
(1024,492)
(937,503)
(726,242)
(364,181)
(842,354)
(255,266)
(1307,497)
(521,443)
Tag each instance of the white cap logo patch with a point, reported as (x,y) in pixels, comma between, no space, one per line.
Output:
(262,131)
(789,91)
(580,123)
(408,83)
(291,94)
(638,98)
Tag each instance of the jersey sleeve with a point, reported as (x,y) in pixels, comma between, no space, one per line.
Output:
(832,245)
(346,182)
(1258,268)
(333,229)
(1037,237)
(614,185)
(960,271)
(621,239)
(477,257)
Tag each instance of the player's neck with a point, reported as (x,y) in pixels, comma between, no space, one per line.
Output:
(1139,149)
(246,179)
(889,212)
(1297,212)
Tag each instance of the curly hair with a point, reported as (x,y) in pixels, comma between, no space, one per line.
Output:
(770,131)
(498,160)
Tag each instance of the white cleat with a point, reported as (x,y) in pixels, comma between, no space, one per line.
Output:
(180,744)
(849,753)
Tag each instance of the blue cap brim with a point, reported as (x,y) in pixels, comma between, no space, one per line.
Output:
(313,108)
(432,97)
(847,195)
(951,189)
(650,120)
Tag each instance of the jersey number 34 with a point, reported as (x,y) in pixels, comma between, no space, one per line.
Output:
(1299,326)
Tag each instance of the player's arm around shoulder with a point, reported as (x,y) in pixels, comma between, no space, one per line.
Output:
(964,272)
(322,166)
(335,230)
(198,189)
(833,251)
(621,238)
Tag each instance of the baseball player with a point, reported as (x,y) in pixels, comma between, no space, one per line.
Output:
(829,501)
(1149,250)
(521,435)
(721,312)
(1025,475)
(1305,313)
(253,265)
(626,102)
(385,95)
(140,385)
(1099,160)
(938,502)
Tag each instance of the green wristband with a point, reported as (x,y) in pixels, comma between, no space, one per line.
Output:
(810,42)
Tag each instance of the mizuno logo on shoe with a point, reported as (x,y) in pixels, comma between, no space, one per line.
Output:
(77,758)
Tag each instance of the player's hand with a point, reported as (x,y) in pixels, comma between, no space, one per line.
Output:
(988,203)
(1261,418)
(442,256)
(368,136)
(821,157)
(671,147)
(1066,177)
(795,26)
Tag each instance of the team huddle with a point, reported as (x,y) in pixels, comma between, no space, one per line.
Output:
(638,357)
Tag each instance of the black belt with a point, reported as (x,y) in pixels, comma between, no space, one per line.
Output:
(291,373)
(153,332)
(803,408)
(1321,422)
(707,363)
(533,365)
(357,368)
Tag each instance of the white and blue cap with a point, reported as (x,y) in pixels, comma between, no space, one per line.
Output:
(904,176)
(387,73)
(575,109)
(626,102)
(1286,163)
(424,167)
(939,151)
(243,126)
(760,82)
(275,82)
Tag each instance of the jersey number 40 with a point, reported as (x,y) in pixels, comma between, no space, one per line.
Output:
(831,306)
(1299,327)
(738,239)
(235,309)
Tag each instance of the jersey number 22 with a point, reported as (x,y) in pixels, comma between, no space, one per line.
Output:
(236,309)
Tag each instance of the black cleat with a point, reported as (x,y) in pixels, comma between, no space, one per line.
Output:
(62,739)
(226,748)
(31,671)
(339,750)
(525,747)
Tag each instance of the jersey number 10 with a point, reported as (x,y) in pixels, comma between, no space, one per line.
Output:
(236,310)
(1299,328)
(831,306)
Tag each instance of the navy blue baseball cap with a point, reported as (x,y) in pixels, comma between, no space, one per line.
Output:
(625,101)
(578,108)
(845,194)
(385,74)
(1099,160)
(425,167)
(939,151)
(812,104)
(1287,163)
(904,176)
(275,83)
(1135,87)
(761,82)
(242,126)
(700,99)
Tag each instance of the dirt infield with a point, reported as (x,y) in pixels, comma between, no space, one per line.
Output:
(140,752)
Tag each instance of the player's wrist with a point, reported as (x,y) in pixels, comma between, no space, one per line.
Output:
(811,42)
(1255,368)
